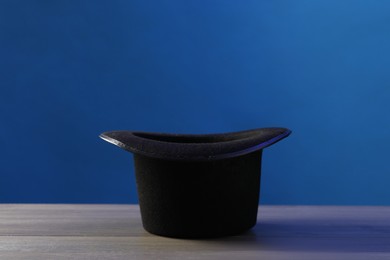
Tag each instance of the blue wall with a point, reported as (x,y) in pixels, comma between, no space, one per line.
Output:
(70,70)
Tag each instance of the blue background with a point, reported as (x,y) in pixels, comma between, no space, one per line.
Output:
(70,70)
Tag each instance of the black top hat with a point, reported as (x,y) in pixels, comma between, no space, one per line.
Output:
(197,185)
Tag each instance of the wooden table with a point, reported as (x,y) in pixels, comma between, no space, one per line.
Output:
(35,231)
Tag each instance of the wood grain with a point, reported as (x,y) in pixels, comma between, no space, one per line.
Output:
(34,231)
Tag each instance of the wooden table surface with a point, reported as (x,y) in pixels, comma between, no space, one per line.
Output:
(38,231)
